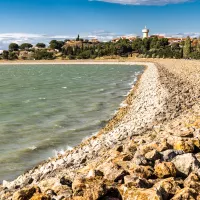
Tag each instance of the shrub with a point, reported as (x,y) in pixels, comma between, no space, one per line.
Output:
(43,55)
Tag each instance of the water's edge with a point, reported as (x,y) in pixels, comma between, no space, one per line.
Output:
(111,123)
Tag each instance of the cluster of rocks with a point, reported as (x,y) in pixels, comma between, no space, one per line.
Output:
(153,153)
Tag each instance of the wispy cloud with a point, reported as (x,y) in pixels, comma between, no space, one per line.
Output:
(145,2)
(19,38)
(180,35)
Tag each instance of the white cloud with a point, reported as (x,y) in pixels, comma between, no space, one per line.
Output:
(7,38)
(180,35)
(19,38)
(145,2)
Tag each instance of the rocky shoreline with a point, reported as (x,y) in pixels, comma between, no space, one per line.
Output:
(153,151)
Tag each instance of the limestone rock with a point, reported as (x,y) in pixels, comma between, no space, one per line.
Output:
(196,142)
(134,181)
(192,177)
(153,155)
(186,146)
(40,197)
(192,181)
(140,159)
(167,187)
(185,164)
(186,194)
(94,189)
(26,193)
(165,170)
(130,193)
(112,171)
(77,186)
(62,190)
(169,154)
(197,155)
(94,173)
(143,171)
(131,147)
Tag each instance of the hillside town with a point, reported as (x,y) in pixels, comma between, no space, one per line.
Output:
(147,46)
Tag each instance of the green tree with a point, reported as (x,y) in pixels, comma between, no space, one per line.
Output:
(12,55)
(40,45)
(85,54)
(146,43)
(137,44)
(5,55)
(198,45)
(78,38)
(13,47)
(43,55)
(153,44)
(68,51)
(187,48)
(195,55)
(163,42)
(25,46)
(54,44)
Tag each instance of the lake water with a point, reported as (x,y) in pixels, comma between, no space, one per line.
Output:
(49,108)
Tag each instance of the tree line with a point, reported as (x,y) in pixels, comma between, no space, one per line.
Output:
(152,47)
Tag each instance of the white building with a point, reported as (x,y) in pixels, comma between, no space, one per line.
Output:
(145,32)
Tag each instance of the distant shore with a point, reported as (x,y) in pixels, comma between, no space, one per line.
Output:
(125,61)
(88,61)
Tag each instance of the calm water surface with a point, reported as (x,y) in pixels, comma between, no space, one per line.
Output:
(49,108)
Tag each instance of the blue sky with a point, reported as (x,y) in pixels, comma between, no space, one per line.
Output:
(35,20)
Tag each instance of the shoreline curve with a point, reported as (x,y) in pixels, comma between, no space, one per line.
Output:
(137,155)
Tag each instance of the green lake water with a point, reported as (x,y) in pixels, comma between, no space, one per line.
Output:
(50,108)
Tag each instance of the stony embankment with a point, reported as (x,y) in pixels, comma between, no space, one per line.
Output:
(151,153)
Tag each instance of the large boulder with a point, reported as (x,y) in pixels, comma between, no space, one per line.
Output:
(186,194)
(112,171)
(165,170)
(41,197)
(169,154)
(153,155)
(167,187)
(185,145)
(192,181)
(137,182)
(130,193)
(140,159)
(185,164)
(143,171)
(94,189)
(26,193)
(62,191)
